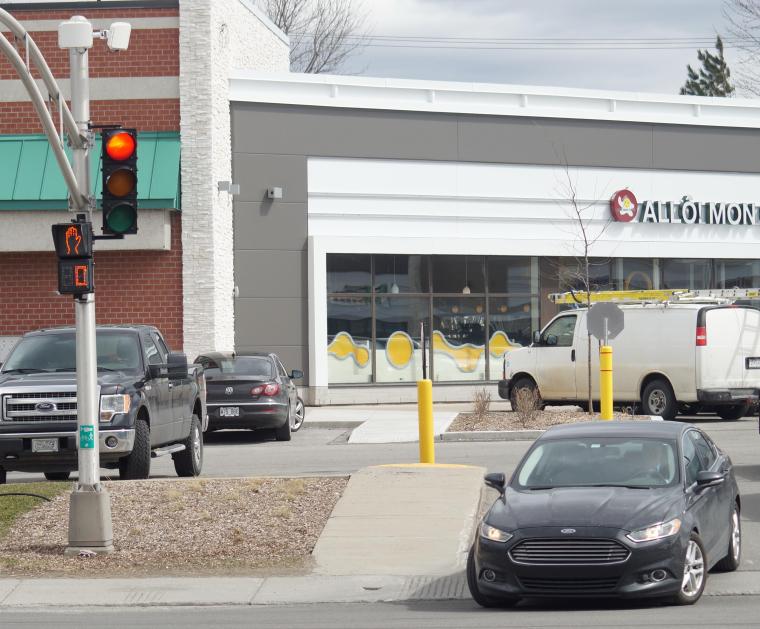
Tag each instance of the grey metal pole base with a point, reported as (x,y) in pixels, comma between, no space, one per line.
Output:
(90,522)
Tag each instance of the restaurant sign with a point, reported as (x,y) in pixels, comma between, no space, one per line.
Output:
(625,208)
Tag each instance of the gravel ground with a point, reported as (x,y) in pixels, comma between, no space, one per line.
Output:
(188,527)
(508,420)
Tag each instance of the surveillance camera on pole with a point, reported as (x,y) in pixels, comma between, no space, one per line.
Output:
(90,507)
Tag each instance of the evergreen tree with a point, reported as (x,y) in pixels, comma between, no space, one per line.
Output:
(714,77)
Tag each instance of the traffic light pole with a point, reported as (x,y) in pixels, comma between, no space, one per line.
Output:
(90,525)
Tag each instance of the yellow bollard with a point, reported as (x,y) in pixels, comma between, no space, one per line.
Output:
(425,414)
(605,381)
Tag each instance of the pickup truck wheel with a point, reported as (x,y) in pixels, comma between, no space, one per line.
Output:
(57,475)
(736,411)
(658,399)
(284,432)
(188,462)
(136,466)
(3,477)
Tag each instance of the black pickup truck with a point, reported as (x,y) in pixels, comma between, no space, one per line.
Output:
(151,404)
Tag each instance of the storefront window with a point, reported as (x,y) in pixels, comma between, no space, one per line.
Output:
(572,274)
(687,274)
(637,274)
(508,274)
(401,274)
(511,322)
(737,273)
(398,350)
(458,338)
(451,274)
(348,273)
(349,340)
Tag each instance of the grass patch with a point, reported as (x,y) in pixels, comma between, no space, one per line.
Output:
(11,507)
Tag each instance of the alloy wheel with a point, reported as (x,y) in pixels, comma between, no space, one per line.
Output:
(693,570)
(196,444)
(298,415)
(736,535)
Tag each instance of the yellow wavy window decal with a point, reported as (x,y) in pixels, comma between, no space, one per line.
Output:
(399,349)
(343,346)
(466,356)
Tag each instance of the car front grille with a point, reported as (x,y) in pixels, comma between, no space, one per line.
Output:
(43,406)
(569,552)
(574,585)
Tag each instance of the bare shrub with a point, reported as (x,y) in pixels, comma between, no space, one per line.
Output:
(481,403)
(526,405)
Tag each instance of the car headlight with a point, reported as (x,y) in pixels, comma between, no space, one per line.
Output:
(111,405)
(656,531)
(494,534)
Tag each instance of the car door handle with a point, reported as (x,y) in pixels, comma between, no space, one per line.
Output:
(572,355)
(171,385)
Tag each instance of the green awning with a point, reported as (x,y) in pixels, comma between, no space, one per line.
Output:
(31,180)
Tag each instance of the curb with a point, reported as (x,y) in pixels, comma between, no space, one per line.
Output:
(490,435)
(348,425)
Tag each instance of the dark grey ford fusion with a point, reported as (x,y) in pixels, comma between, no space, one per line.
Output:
(627,509)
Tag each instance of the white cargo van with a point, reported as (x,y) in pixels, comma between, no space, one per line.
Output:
(670,358)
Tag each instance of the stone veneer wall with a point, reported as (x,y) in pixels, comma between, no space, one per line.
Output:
(216,36)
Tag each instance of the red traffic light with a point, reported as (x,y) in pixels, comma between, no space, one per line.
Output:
(120,146)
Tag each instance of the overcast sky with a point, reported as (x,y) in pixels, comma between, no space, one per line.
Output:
(638,70)
(662,71)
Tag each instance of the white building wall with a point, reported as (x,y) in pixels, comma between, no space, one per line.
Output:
(216,36)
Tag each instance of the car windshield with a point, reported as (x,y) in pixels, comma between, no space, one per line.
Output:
(254,366)
(592,461)
(116,351)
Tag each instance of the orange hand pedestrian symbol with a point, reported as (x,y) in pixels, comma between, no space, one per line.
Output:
(73,238)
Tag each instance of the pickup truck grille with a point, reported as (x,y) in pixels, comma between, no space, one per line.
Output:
(36,407)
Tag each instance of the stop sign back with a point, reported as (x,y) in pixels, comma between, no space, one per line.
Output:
(614,316)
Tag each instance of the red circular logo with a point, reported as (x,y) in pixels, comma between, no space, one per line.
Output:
(624,206)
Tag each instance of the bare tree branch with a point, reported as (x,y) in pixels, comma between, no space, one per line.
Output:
(743,17)
(324,34)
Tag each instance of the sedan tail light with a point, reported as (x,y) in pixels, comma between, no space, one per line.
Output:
(269,389)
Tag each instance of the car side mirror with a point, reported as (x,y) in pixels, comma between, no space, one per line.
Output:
(536,337)
(176,365)
(496,481)
(551,339)
(157,370)
(296,374)
(709,479)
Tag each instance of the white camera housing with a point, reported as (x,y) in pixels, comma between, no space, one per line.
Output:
(117,37)
(75,33)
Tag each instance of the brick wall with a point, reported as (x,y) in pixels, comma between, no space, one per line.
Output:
(131,287)
(144,115)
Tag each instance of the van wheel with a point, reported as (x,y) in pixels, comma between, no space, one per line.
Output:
(736,411)
(658,399)
(526,384)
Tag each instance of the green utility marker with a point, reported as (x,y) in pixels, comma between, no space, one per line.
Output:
(87,437)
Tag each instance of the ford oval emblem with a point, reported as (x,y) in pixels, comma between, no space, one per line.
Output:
(567,531)
(44,407)
(229,390)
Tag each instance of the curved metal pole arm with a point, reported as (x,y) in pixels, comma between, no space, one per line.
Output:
(39,62)
(38,101)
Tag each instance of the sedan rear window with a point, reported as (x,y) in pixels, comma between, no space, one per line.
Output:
(257,367)
(593,462)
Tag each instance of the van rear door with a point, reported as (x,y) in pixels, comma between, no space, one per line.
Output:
(728,338)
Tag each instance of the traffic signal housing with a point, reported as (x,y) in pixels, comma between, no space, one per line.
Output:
(73,245)
(119,166)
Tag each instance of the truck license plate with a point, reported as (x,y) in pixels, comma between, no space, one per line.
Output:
(229,411)
(44,445)
(753,363)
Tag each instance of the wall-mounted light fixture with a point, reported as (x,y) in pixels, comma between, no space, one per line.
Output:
(227,186)
(275,192)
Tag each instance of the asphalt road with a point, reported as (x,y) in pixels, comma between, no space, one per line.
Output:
(714,611)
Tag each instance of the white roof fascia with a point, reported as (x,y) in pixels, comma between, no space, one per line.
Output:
(321,90)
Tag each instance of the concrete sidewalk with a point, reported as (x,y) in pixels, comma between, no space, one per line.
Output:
(402,520)
(386,423)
